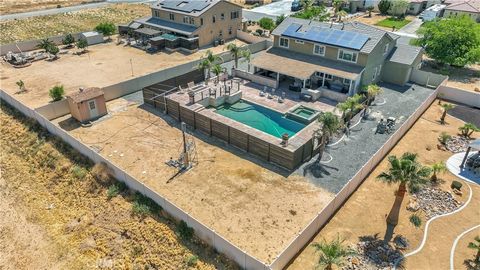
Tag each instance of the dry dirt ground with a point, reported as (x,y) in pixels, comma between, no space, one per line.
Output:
(70,22)
(365,211)
(462,251)
(251,205)
(16,6)
(54,218)
(104,65)
(467,78)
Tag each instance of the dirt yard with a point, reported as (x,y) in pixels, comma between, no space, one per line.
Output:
(70,22)
(17,6)
(56,213)
(226,190)
(103,65)
(365,212)
(376,17)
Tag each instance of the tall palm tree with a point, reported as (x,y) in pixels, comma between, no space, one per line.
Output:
(476,245)
(217,69)
(235,51)
(406,171)
(204,65)
(437,168)
(349,107)
(371,91)
(337,4)
(207,61)
(247,57)
(330,124)
(332,253)
(446,107)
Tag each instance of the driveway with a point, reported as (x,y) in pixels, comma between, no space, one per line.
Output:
(410,29)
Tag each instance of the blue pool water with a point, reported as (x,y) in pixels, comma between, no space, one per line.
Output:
(261,118)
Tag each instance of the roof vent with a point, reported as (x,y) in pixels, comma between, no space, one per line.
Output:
(81,89)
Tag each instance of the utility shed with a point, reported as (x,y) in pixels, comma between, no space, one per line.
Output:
(402,61)
(92,37)
(87,104)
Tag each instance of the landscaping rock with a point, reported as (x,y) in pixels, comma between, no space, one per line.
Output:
(435,201)
(413,205)
(457,144)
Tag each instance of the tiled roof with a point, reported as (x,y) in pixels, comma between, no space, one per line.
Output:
(374,34)
(467,6)
(404,54)
(86,94)
(167,25)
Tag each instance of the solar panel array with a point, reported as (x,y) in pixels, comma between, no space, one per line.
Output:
(185,6)
(335,37)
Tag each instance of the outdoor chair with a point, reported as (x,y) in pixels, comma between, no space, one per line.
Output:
(381,127)
(182,90)
(191,85)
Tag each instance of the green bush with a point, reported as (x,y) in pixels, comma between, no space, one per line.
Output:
(191,260)
(456,185)
(143,206)
(259,32)
(115,189)
(57,92)
(266,23)
(79,172)
(444,138)
(106,28)
(184,231)
(82,44)
(416,220)
(68,40)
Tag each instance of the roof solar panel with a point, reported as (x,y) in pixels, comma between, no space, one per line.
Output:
(341,38)
(185,5)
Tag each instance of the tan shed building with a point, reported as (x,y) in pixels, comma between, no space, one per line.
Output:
(87,104)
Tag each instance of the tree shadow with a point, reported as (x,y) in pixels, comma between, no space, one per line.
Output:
(317,169)
(470,264)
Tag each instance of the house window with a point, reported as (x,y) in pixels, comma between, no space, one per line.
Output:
(220,33)
(234,15)
(172,17)
(192,20)
(346,81)
(185,19)
(91,104)
(284,42)
(222,16)
(347,56)
(385,50)
(201,21)
(319,49)
(328,76)
(214,18)
(318,74)
(230,30)
(299,41)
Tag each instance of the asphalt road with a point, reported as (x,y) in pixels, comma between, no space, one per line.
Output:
(54,11)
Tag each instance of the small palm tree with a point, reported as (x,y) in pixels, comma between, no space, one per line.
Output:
(204,65)
(476,246)
(307,4)
(247,57)
(217,69)
(21,86)
(406,171)
(349,107)
(446,107)
(235,51)
(370,9)
(207,61)
(45,44)
(467,129)
(341,14)
(330,124)
(332,253)
(437,168)
(337,4)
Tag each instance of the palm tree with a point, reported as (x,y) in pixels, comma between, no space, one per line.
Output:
(349,107)
(204,65)
(371,91)
(337,4)
(437,168)
(332,253)
(247,57)
(235,51)
(217,69)
(341,14)
(330,124)
(467,129)
(370,9)
(446,107)
(207,61)
(45,44)
(476,245)
(406,171)
(21,86)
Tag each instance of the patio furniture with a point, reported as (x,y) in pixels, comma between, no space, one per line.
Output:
(191,85)
(305,97)
(295,88)
(315,94)
(336,87)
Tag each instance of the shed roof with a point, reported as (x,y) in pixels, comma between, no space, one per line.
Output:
(302,66)
(467,6)
(86,94)
(147,31)
(404,54)
(91,34)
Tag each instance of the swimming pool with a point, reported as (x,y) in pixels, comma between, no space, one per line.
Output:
(261,118)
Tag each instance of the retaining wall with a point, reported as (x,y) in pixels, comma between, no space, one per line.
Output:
(426,78)
(208,235)
(320,220)
(249,38)
(30,45)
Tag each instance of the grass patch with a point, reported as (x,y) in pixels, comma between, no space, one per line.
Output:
(391,22)
(79,172)
(143,206)
(115,189)
(184,231)
(191,260)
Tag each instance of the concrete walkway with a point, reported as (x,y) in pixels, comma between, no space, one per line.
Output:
(410,29)
(53,11)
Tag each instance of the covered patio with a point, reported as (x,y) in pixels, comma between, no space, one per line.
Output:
(312,76)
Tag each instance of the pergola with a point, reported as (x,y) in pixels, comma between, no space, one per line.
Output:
(475,145)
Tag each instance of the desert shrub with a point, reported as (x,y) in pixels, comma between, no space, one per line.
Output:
(68,40)
(184,231)
(467,129)
(266,23)
(78,172)
(143,206)
(106,28)
(82,44)
(115,189)
(444,138)
(191,260)
(259,31)
(102,173)
(56,92)
(416,220)
(456,185)
(137,251)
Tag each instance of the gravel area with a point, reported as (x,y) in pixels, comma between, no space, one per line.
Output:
(354,151)
(434,202)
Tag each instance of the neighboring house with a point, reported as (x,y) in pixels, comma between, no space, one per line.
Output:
(335,57)
(466,8)
(417,6)
(432,13)
(188,24)
(87,104)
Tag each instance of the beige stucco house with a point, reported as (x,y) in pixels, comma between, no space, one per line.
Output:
(87,104)
(335,57)
(187,24)
(470,9)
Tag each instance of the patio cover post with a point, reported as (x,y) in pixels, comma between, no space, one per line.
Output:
(350,88)
(304,82)
(278,79)
(323,81)
(465,157)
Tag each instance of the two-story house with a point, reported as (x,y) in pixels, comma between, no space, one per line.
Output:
(188,23)
(335,57)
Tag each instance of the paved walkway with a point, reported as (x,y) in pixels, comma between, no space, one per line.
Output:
(54,11)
